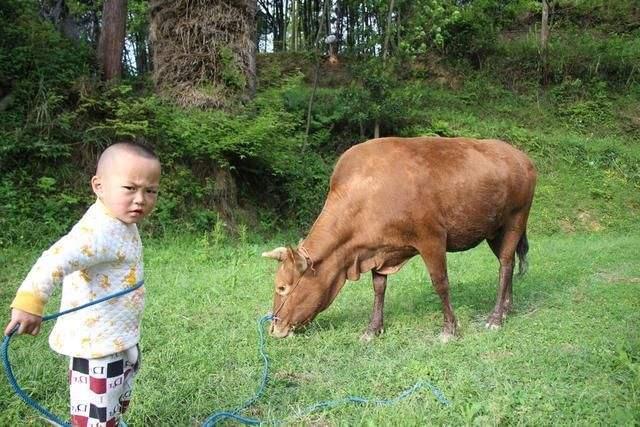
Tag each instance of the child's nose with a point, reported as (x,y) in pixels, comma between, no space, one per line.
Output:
(139,198)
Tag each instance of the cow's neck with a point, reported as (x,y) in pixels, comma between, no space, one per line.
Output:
(331,250)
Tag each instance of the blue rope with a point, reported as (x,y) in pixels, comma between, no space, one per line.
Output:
(7,364)
(221,415)
(327,404)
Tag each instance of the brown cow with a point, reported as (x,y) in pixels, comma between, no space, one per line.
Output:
(393,198)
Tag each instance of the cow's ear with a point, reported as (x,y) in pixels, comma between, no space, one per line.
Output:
(298,260)
(278,253)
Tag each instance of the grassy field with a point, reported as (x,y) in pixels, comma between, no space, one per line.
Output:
(569,354)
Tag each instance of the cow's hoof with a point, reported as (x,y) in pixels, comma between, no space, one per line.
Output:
(445,337)
(369,336)
(494,322)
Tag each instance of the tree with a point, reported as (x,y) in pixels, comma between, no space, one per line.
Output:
(544,41)
(111,42)
(138,36)
(385,52)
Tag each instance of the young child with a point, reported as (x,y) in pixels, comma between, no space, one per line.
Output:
(101,255)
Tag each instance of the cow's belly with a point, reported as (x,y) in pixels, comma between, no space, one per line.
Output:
(391,260)
(463,238)
(457,245)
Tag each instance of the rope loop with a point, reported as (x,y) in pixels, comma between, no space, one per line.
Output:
(327,404)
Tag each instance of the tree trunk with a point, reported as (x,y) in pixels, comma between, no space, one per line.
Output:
(251,8)
(322,14)
(57,12)
(385,49)
(141,54)
(279,27)
(294,22)
(544,42)
(111,42)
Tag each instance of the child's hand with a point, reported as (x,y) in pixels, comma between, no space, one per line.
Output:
(29,323)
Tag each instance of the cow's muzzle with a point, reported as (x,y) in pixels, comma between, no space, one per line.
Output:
(280,331)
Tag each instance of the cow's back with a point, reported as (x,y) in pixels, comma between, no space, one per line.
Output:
(463,187)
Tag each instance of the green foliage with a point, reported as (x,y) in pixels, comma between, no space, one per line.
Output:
(37,211)
(611,57)
(34,54)
(262,140)
(58,118)
(427,27)
(138,19)
(613,17)
(38,68)
(232,76)
(377,95)
(473,34)
(584,106)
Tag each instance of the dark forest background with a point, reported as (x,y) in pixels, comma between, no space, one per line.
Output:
(250,103)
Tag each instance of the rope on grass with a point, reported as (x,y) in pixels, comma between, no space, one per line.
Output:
(327,404)
(6,363)
(220,415)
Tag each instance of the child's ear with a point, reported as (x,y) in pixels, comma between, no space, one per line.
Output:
(96,185)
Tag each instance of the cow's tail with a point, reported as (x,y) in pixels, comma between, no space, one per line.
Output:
(521,250)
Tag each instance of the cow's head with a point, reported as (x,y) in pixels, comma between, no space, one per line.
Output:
(298,295)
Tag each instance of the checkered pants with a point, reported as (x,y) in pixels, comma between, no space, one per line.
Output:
(100,389)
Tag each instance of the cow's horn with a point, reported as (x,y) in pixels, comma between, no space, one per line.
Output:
(278,253)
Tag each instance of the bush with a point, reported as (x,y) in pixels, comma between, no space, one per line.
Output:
(38,68)
(613,58)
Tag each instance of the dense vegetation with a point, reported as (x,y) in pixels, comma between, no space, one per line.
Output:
(472,69)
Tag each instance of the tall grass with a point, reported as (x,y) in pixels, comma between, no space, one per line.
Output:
(569,354)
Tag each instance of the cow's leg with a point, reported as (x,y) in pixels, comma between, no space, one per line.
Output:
(504,247)
(496,245)
(376,325)
(435,257)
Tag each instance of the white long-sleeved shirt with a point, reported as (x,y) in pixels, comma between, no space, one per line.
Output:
(101,255)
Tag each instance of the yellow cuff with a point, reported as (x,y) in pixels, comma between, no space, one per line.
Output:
(31,303)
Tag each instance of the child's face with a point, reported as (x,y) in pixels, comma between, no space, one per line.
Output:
(128,187)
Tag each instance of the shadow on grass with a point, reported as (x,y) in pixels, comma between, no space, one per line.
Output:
(408,297)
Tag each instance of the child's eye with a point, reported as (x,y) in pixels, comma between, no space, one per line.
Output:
(128,187)
(152,191)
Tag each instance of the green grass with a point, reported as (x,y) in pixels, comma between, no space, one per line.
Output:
(569,354)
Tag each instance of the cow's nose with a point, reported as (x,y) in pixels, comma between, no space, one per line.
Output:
(279,331)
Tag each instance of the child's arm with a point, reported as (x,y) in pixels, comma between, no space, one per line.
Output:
(77,250)
(29,323)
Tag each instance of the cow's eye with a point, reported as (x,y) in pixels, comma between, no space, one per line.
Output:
(281,289)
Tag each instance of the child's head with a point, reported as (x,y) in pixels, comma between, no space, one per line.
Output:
(126,181)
